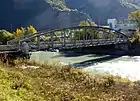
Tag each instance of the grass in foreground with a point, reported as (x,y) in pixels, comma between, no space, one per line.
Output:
(62,83)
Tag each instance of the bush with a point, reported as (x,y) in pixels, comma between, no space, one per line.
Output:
(5,36)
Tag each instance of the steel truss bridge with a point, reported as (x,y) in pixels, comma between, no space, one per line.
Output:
(68,38)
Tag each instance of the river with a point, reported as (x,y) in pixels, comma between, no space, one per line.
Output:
(124,66)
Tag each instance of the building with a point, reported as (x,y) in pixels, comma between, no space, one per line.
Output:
(112,23)
(125,26)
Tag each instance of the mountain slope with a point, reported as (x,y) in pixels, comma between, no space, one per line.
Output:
(17,13)
(42,14)
(101,10)
(45,14)
(131,3)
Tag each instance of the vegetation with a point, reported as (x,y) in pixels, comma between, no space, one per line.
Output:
(135,38)
(59,4)
(61,83)
(24,31)
(84,23)
(135,16)
(91,33)
(5,36)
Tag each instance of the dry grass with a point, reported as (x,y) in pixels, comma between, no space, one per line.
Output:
(63,83)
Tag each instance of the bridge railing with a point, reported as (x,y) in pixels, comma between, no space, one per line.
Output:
(9,47)
(79,43)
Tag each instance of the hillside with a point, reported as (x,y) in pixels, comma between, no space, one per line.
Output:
(100,10)
(45,14)
(42,14)
(131,3)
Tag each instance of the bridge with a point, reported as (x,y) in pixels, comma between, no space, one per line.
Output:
(68,38)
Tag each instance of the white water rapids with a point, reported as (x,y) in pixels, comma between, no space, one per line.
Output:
(125,66)
(126,69)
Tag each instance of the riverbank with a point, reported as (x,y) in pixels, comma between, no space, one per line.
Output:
(123,66)
(61,83)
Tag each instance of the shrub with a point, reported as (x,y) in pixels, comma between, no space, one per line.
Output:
(5,36)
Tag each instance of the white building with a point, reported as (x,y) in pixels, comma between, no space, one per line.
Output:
(112,23)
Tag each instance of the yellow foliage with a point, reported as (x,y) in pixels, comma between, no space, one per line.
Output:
(25,31)
(136,37)
(18,33)
(31,29)
(84,23)
(135,16)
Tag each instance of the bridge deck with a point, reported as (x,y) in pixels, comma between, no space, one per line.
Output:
(66,45)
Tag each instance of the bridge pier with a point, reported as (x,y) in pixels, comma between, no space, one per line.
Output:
(38,43)
(52,40)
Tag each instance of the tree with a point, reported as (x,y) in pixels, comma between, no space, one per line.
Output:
(136,37)
(18,33)
(5,36)
(84,23)
(24,31)
(88,33)
(31,30)
(135,17)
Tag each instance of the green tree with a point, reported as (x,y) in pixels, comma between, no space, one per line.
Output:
(86,33)
(5,36)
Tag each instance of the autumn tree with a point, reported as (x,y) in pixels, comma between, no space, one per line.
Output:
(84,23)
(24,31)
(135,17)
(18,33)
(31,30)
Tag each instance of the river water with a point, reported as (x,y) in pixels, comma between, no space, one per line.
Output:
(124,66)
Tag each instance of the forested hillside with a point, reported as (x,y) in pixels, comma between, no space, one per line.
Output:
(101,10)
(45,14)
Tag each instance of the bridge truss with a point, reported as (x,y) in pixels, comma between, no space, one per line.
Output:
(73,37)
